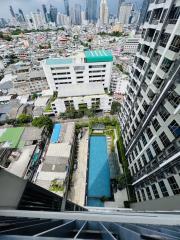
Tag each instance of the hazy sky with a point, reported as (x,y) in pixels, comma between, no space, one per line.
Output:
(30,5)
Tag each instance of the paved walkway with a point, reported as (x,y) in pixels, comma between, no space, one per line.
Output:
(77,193)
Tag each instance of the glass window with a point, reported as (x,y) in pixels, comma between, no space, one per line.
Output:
(174,99)
(156,124)
(149,133)
(164,139)
(139,146)
(164,113)
(154,188)
(143,194)
(144,160)
(144,140)
(173,184)
(149,153)
(139,163)
(149,193)
(174,128)
(175,45)
(156,147)
(138,196)
(163,189)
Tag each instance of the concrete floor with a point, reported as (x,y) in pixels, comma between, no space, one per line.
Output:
(77,192)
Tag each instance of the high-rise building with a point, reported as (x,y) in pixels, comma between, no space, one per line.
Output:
(104,12)
(3,23)
(53,14)
(143,12)
(66,6)
(21,14)
(77,14)
(150,118)
(118,9)
(125,13)
(91,10)
(12,12)
(38,20)
(45,12)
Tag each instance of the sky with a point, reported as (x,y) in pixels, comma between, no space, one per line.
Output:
(30,5)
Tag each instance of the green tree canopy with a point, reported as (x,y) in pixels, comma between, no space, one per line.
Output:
(43,121)
(115,107)
(24,118)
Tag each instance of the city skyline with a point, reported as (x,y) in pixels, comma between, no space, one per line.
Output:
(33,5)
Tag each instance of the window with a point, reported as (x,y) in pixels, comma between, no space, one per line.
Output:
(149,153)
(166,64)
(156,147)
(164,113)
(173,184)
(139,163)
(144,159)
(135,165)
(143,194)
(144,140)
(149,133)
(164,139)
(175,45)
(174,128)
(156,194)
(145,106)
(136,152)
(163,189)
(139,146)
(149,193)
(174,99)
(156,124)
(138,196)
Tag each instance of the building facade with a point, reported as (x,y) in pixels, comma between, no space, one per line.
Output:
(104,12)
(150,118)
(125,13)
(91,10)
(86,67)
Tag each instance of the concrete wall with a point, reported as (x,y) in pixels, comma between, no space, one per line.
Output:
(12,188)
(161,204)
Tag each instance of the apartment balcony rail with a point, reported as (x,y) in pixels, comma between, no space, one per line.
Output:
(155,99)
(157,160)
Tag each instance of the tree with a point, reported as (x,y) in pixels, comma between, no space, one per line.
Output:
(120,67)
(43,121)
(23,118)
(115,107)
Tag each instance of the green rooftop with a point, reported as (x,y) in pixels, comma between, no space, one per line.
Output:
(57,61)
(98,56)
(12,136)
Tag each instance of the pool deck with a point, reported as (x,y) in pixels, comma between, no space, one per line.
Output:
(78,190)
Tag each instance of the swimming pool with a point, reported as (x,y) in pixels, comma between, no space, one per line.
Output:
(55,137)
(98,172)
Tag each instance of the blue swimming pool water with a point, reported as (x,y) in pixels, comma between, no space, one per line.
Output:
(99,173)
(55,137)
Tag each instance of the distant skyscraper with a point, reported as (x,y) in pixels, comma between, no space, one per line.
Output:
(143,12)
(91,10)
(21,14)
(45,12)
(66,6)
(53,14)
(104,12)
(125,13)
(77,14)
(3,23)
(12,12)
(119,5)
(37,19)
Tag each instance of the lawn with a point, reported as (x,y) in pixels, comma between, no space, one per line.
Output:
(13,136)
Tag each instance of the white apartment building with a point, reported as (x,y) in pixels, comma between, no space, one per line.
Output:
(131,45)
(82,96)
(150,116)
(85,67)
